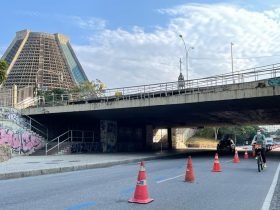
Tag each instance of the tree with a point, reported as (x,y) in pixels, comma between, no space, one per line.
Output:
(216,131)
(239,134)
(277,133)
(3,70)
(90,88)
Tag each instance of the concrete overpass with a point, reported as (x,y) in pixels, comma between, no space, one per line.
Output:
(247,97)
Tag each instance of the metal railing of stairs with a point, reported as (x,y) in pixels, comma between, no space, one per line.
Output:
(69,136)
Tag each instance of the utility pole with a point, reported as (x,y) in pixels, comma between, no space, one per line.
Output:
(180,66)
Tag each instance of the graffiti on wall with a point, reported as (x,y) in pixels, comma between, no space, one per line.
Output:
(20,141)
(108,135)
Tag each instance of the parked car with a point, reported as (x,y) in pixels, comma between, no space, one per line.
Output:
(226,145)
(269,142)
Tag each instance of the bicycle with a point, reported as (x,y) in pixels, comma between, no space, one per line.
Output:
(258,148)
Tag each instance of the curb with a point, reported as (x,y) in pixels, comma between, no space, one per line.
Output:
(21,174)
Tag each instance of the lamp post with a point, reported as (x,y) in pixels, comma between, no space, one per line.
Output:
(187,56)
(231,44)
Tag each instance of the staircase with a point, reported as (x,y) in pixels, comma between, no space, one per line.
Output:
(62,144)
(24,134)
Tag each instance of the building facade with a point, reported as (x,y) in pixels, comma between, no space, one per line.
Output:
(42,60)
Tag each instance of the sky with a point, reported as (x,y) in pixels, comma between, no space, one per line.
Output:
(126,43)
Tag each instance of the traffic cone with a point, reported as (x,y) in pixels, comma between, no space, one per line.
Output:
(189,177)
(141,194)
(246,154)
(216,166)
(236,158)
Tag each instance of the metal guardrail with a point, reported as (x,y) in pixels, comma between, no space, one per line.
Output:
(247,75)
(169,88)
(69,136)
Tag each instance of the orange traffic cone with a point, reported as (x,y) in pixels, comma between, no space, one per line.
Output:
(236,158)
(141,194)
(216,166)
(246,154)
(189,177)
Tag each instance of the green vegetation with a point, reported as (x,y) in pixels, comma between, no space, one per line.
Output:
(277,132)
(239,134)
(85,89)
(3,70)
(90,88)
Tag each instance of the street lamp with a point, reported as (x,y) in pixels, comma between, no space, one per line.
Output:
(187,56)
(231,44)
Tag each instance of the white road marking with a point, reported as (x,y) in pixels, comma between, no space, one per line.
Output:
(164,180)
(267,201)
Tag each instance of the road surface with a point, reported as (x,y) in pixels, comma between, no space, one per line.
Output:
(238,186)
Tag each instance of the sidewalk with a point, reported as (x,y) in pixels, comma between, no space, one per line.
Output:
(24,166)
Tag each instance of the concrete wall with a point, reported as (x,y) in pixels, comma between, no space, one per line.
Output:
(5,153)
(21,142)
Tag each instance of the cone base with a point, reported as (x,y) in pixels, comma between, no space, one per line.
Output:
(216,170)
(236,161)
(192,181)
(133,200)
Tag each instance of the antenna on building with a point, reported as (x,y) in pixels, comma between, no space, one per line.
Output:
(180,65)
(181,82)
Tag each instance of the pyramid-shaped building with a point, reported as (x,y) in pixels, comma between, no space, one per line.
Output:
(43,60)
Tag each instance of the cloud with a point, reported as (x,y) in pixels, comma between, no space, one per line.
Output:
(122,57)
(89,23)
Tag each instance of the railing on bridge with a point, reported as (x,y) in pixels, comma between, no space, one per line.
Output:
(242,76)
(163,89)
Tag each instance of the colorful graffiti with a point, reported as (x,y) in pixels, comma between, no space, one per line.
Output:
(20,141)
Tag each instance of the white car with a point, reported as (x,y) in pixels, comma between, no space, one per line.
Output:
(269,142)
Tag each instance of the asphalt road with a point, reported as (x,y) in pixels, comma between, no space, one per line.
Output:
(238,186)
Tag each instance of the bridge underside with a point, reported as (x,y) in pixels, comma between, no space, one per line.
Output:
(136,125)
(263,110)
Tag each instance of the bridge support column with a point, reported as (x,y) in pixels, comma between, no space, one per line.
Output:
(149,137)
(108,135)
(169,138)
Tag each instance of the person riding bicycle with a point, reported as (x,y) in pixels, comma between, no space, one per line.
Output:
(260,139)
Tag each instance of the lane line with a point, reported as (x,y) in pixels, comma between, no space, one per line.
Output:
(164,180)
(267,201)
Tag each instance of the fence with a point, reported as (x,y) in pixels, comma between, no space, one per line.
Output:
(208,84)
(23,95)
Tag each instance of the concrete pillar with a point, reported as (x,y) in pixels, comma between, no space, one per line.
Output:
(108,135)
(149,137)
(169,138)
(14,96)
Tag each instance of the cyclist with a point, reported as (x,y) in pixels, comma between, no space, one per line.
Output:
(260,139)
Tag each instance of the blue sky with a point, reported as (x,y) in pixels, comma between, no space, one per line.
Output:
(128,42)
